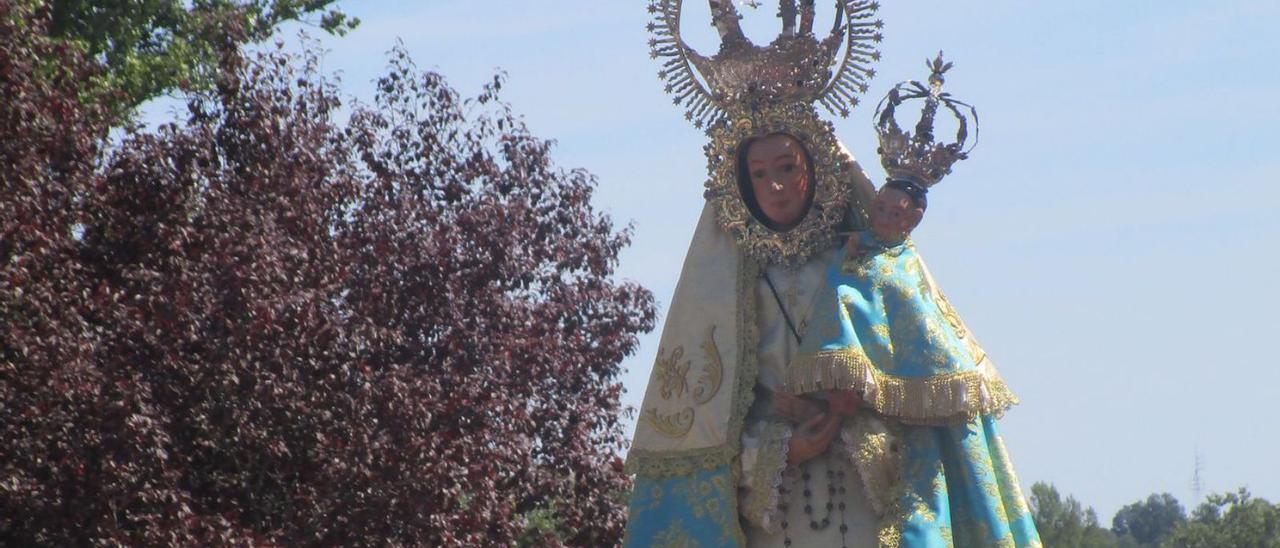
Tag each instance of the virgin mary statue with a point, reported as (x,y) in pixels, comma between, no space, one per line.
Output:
(735,445)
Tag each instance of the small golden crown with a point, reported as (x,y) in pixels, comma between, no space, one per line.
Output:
(917,159)
(795,68)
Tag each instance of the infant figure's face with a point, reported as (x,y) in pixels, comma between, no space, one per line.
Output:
(894,215)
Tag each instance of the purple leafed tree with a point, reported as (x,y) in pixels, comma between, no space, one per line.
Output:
(271,324)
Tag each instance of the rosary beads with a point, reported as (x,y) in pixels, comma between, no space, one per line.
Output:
(835,501)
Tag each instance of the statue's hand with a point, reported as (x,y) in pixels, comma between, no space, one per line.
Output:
(812,438)
(793,408)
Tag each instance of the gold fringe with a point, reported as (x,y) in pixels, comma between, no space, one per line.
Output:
(946,398)
(666,464)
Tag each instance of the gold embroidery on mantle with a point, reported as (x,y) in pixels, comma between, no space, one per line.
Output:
(713,373)
(674,376)
(674,425)
(683,462)
(950,314)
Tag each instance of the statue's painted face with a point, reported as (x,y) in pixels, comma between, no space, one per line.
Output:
(894,215)
(779,171)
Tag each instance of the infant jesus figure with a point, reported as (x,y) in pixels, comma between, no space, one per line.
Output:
(889,368)
(896,210)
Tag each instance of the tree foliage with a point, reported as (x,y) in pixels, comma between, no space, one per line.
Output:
(263,325)
(1234,519)
(1149,521)
(1231,519)
(1066,522)
(150,47)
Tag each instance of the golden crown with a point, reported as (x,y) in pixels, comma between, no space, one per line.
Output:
(915,159)
(796,67)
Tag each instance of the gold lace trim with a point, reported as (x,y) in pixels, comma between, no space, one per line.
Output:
(765,479)
(896,513)
(874,452)
(940,399)
(663,464)
(835,190)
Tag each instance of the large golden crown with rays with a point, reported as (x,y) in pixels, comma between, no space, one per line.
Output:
(745,91)
(796,67)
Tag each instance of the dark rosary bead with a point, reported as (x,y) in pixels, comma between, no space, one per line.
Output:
(842,506)
(808,509)
(830,506)
(844,529)
(808,493)
(813,525)
(786,542)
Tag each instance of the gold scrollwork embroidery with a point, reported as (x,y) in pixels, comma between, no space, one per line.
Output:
(713,373)
(932,292)
(674,425)
(926,289)
(950,314)
(673,374)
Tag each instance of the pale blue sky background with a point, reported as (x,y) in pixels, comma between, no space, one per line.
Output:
(1112,241)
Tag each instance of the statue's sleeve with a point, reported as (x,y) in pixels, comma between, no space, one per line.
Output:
(764,459)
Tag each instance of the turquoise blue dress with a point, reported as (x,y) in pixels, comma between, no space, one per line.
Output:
(885,330)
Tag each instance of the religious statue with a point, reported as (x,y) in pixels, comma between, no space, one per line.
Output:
(813,387)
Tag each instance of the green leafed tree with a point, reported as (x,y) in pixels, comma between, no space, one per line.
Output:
(1147,522)
(1231,519)
(1064,522)
(148,48)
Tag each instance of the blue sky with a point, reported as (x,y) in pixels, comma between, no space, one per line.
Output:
(1112,241)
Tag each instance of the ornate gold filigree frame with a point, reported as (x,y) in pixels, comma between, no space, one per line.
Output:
(833,192)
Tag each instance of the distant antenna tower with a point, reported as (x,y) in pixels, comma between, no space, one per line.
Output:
(1197,484)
